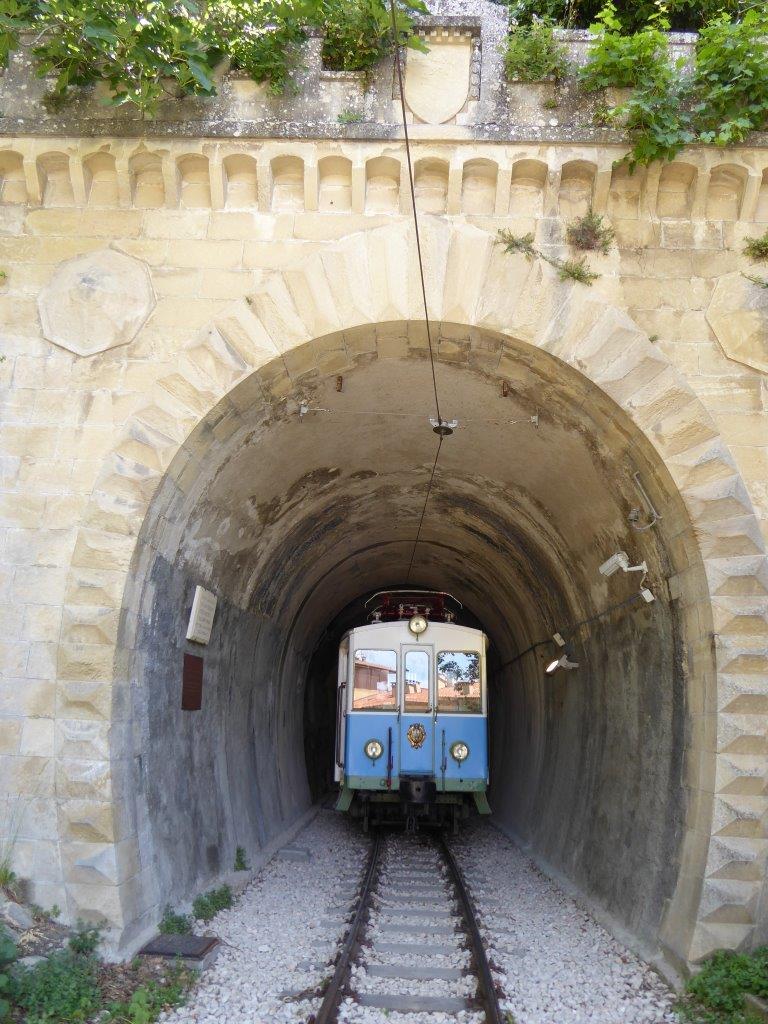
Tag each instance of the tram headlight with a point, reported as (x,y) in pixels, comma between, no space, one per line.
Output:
(373,749)
(459,751)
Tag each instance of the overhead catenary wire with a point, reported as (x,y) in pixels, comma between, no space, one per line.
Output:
(428,326)
(399,72)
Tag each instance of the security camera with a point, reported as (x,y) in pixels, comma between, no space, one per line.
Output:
(618,561)
(621,561)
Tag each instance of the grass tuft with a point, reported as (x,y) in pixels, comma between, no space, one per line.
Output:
(207,905)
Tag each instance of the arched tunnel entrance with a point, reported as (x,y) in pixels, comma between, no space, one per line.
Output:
(307,499)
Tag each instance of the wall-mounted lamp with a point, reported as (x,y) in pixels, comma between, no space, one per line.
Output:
(562,662)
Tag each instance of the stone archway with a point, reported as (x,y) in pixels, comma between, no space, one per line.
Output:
(297,322)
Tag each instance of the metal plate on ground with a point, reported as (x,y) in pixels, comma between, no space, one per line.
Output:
(190,947)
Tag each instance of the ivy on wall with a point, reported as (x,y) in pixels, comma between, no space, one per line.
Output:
(147,49)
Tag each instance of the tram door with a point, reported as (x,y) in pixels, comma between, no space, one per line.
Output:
(417,731)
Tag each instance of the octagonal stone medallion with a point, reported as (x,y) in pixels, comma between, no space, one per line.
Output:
(96,302)
(738,314)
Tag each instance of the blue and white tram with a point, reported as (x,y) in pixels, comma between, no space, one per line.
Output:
(412,738)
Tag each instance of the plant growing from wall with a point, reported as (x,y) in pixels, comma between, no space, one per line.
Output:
(757,248)
(567,270)
(241,864)
(590,234)
(532,54)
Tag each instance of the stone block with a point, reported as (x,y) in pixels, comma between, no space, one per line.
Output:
(738,314)
(37,737)
(10,735)
(96,302)
(87,738)
(86,821)
(223,255)
(82,778)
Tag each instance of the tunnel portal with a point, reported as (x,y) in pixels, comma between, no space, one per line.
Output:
(312,504)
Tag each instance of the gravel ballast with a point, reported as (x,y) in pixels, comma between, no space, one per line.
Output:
(556,964)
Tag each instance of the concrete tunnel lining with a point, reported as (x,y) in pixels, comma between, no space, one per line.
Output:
(292,519)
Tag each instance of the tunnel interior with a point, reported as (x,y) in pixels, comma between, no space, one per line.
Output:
(299,495)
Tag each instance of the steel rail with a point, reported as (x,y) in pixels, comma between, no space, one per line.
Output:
(488,996)
(327,1014)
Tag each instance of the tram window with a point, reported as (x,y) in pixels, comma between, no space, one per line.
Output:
(416,682)
(375,681)
(458,682)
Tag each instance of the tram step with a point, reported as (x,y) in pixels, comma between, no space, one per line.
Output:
(416,949)
(414,1004)
(413,973)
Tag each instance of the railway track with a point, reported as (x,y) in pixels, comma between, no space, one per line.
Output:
(413,944)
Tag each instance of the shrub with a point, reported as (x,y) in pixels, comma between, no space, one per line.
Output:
(174,924)
(207,905)
(723,980)
(730,82)
(589,233)
(683,14)
(86,939)
(532,53)
(358,33)
(724,98)
(63,988)
(241,864)
(149,1000)
(625,61)
(145,50)
(7,957)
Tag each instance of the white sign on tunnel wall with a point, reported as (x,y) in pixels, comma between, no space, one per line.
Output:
(201,616)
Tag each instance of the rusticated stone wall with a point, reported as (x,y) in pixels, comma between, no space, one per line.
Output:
(149,280)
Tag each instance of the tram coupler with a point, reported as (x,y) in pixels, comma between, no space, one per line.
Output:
(417,789)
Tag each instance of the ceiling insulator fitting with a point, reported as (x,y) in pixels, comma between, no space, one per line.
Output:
(443,428)
(505,389)
(339,382)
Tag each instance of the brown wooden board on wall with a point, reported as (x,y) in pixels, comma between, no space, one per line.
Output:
(192,683)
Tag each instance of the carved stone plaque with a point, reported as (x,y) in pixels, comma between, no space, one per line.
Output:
(437,83)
